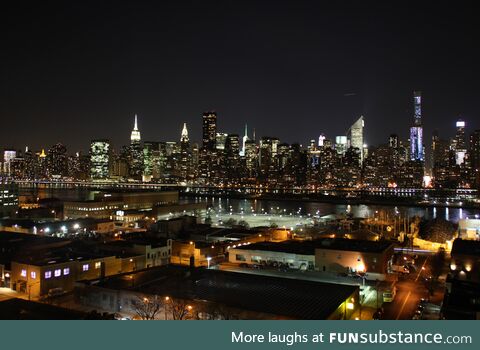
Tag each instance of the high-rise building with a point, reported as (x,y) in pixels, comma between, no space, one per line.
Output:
(57,160)
(251,159)
(185,155)
(475,149)
(8,199)
(220,140)
(459,145)
(8,156)
(232,156)
(321,138)
(99,159)
(355,136)
(135,135)
(416,131)
(135,156)
(341,144)
(209,130)
(393,141)
(244,141)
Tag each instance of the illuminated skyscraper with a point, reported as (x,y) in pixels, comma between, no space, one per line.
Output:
(321,139)
(244,141)
(135,160)
(355,136)
(220,140)
(475,149)
(209,130)
(99,159)
(184,136)
(251,157)
(341,144)
(135,136)
(459,145)
(8,157)
(185,155)
(57,160)
(416,131)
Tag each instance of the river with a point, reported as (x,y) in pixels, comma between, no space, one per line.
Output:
(277,206)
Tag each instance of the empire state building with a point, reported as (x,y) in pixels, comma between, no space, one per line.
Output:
(135,136)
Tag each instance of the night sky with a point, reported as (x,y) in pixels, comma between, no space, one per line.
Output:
(76,70)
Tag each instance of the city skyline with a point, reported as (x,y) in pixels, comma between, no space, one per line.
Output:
(254,63)
(197,139)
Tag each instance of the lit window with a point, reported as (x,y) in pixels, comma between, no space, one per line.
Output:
(23,273)
(48,274)
(33,274)
(66,271)
(57,273)
(85,267)
(98,264)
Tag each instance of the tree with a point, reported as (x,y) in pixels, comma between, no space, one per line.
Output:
(147,308)
(437,263)
(208,220)
(180,309)
(436,230)
(244,224)
(273,225)
(230,222)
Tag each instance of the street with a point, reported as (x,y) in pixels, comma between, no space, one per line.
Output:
(410,289)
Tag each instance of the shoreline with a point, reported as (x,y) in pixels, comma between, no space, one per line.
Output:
(337,200)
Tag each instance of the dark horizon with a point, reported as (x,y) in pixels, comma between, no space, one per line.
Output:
(72,72)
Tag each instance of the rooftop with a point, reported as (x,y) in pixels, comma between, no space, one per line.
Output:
(465,247)
(289,298)
(308,247)
(20,309)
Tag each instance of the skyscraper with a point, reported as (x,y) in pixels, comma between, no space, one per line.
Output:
(209,131)
(57,160)
(459,143)
(475,149)
(99,159)
(355,136)
(184,153)
(341,144)
(220,140)
(8,157)
(135,152)
(244,141)
(416,131)
(135,135)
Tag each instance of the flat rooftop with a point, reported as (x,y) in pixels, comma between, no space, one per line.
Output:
(308,247)
(20,309)
(465,247)
(285,297)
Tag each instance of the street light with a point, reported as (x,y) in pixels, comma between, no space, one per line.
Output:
(208,261)
(167,299)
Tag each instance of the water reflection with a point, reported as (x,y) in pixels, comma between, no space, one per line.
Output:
(278,207)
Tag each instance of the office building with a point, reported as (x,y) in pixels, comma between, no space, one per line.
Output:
(99,159)
(355,136)
(416,131)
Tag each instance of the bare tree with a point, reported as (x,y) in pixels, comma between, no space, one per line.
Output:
(180,309)
(147,308)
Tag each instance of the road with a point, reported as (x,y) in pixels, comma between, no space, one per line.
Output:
(7,293)
(410,289)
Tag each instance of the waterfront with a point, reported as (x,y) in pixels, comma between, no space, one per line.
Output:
(275,207)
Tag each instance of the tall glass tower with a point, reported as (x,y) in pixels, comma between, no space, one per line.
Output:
(355,136)
(209,131)
(416,131)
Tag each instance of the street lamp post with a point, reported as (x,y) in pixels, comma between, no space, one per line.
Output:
(208,261)
(167,299)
